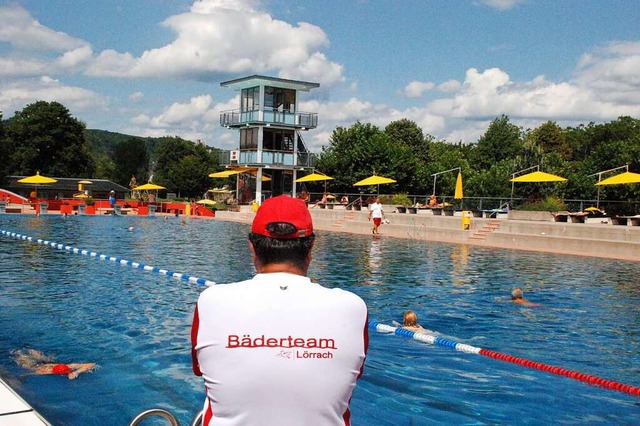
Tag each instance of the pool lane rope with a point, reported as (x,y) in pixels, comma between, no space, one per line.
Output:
(461,347)
(93,254)
(383,328)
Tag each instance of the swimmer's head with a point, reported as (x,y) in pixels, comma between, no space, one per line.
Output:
(410,319)
(516,293)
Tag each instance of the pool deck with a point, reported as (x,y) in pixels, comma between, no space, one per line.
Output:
(14,411)
(532,231)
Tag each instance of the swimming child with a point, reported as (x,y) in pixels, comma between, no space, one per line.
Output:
(410,322)
(40,364)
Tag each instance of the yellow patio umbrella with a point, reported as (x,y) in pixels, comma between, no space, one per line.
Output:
(538,176)
(458,194)
(36,180)
(374,180)
(148,187)
(230,172)
(314,177)
(206,202)
(621,179)
(534,177)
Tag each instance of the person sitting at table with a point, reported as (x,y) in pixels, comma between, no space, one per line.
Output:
(433,201)
(344,200)
(322,202)
(304,196)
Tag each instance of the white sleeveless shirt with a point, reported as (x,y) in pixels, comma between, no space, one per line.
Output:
(278,350)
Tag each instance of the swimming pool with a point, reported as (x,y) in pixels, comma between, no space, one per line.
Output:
(135,324)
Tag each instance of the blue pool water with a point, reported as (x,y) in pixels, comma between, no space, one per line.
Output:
(135,324)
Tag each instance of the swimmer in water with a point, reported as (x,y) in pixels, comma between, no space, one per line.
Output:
(410,322)
(130,228)
(40,364)
(517,297)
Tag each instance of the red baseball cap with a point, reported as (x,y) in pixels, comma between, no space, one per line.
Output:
(283,209)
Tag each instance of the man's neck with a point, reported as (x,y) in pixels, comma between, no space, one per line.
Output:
(280,267)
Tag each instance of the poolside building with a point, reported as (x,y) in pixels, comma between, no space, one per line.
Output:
(271,150)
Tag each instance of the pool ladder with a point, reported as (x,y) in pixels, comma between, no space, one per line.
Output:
(165,414)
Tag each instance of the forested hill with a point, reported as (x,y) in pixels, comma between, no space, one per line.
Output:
(103,142)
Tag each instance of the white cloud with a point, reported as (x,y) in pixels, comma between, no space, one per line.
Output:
(606,86)
(449,86)
(136,97)
(18,28)
(613,72)
(76,57)
(197,119)
(228,36)
(16,95)
(416,88)
(502,4)
(13,67)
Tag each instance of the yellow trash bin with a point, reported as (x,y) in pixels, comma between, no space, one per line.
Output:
(466,220)
(255,206)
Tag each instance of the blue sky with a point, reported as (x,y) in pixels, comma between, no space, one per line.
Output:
(154,67)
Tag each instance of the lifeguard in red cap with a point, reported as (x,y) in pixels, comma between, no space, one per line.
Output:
(279,349)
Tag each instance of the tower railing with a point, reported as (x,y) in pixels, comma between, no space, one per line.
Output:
(267,115)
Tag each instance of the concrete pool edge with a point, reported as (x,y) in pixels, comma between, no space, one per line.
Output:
(580,239)
(15,410)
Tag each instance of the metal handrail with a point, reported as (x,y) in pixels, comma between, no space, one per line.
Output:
(155,412)
(197,420)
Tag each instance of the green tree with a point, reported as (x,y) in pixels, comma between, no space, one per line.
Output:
(6,151)
(45,137)
(501,141)
(344,159)
(551,138)
(130,158)
(406,132)
(362,150)
(183,167)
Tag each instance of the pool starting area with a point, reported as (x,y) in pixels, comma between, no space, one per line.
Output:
(14,411)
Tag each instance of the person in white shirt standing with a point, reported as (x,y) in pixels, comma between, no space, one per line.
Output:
(377,214)
(279,349)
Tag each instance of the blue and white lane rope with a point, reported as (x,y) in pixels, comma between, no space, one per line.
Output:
(461,347)
(384,328)
(93,254)
(426,338)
